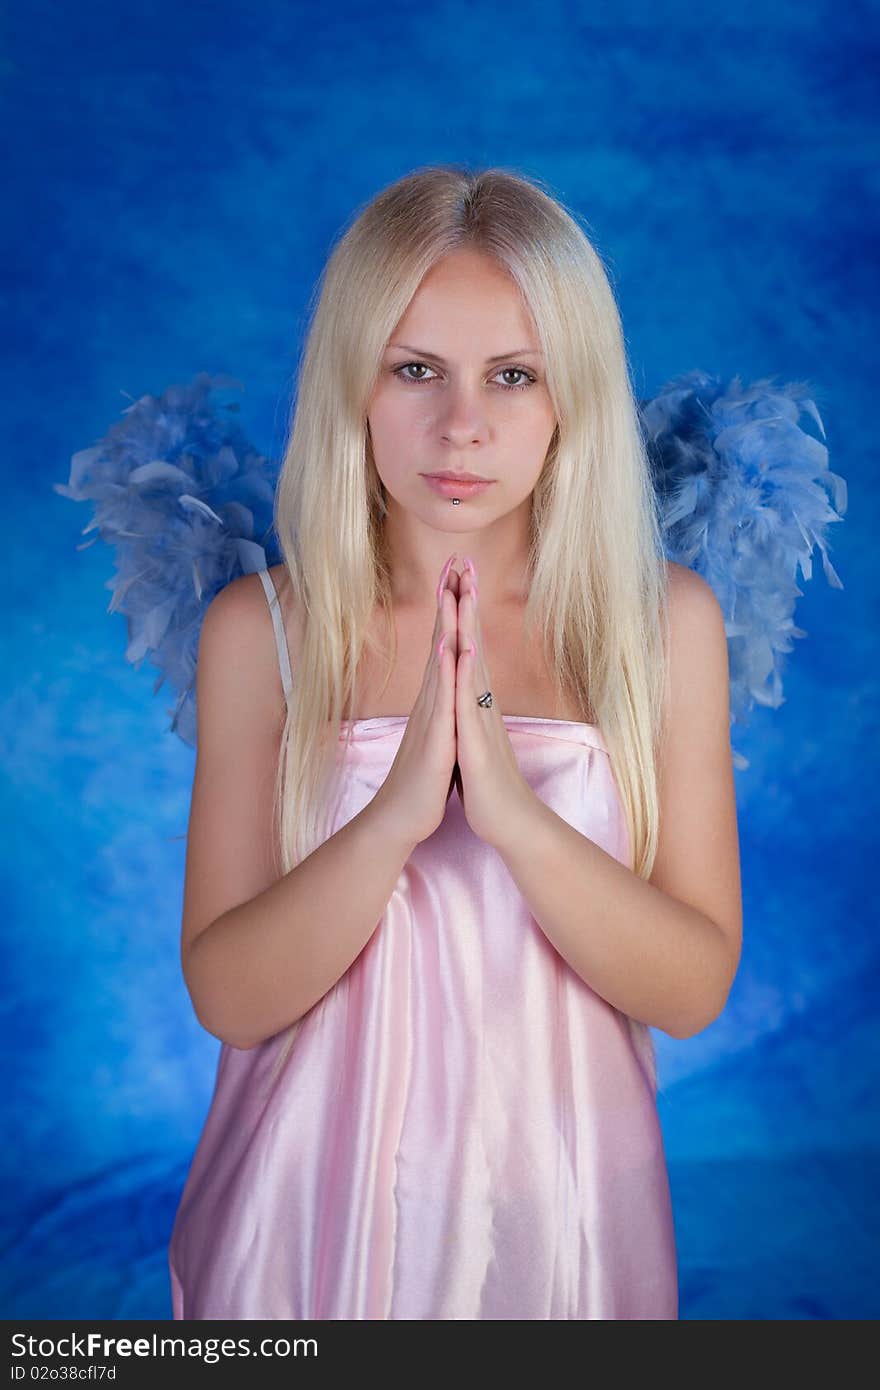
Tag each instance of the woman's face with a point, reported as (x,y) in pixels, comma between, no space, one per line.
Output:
(441,403)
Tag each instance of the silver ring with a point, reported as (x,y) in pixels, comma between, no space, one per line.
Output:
(485,699)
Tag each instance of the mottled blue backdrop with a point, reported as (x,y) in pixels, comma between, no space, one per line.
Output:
(174,178)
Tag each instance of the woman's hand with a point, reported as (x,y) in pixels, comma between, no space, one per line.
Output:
(491,781)
(419,782)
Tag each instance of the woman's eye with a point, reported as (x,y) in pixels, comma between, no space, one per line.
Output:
(516,371)
(403,372)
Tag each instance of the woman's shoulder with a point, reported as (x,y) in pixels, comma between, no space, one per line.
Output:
(689,596)
(679,576)
(239,614)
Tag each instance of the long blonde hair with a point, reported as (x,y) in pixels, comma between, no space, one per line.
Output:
(596,563)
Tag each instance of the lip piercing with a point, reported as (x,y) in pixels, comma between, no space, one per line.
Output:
(456,501)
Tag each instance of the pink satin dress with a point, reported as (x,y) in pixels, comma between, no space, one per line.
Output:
(463,1129)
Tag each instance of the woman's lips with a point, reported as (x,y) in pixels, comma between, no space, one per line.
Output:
(452,487)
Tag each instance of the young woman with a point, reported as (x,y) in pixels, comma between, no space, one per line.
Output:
(463,823)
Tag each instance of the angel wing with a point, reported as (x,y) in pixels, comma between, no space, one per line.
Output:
(744,497)
(187,503)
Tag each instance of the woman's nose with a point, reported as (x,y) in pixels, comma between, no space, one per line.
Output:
(462,416)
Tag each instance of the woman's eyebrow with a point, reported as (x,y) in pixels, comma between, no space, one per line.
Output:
(423,352)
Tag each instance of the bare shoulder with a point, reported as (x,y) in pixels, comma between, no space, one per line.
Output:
(699,671)
(690,596)
(697,635)
(237,631)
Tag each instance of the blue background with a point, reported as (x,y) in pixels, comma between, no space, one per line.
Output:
(175,176)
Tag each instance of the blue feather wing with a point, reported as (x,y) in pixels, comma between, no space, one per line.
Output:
(744,490)
(187,503)
(745,493)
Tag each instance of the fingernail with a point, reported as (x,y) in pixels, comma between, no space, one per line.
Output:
(470,564)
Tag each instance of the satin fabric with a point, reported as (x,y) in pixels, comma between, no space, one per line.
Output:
(464,1129)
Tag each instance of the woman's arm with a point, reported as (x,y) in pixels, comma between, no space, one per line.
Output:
(264,963)
(664,951)
(259,950)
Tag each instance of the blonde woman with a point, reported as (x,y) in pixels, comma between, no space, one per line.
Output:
(463,823)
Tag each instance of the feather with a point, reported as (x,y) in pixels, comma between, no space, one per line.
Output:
(744,495)
(187,503)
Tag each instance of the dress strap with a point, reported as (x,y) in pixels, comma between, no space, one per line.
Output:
(280,638)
